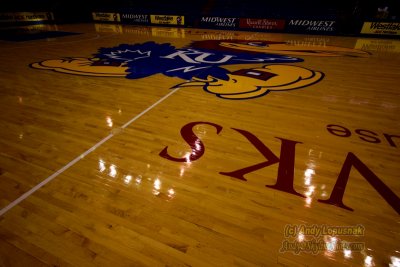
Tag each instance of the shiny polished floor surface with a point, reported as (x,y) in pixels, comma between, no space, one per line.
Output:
(146,146)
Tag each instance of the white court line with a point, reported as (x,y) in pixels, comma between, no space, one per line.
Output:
(84,154)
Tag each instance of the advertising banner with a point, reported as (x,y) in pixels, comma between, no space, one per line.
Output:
(111,17)
(167,19)
(307,25)
(385,28)
(133,18)
(219,22)
(26,16)
(262,24)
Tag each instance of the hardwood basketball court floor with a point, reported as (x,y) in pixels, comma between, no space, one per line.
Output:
(155,146)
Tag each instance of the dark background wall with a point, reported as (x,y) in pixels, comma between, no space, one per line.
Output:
(73,10)
(349,14)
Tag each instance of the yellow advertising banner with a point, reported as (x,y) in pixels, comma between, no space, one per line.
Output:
(26,16)
(386,28)
(101,16)
(167,19)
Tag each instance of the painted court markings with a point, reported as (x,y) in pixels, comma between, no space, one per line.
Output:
(81,156)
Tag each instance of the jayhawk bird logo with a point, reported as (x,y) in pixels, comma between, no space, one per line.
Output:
(200,64)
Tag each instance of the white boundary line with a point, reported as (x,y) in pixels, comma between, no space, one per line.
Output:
(84,154)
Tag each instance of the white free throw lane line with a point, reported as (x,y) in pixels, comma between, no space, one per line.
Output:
(81,156)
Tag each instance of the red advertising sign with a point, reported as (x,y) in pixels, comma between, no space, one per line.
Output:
(263,24)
